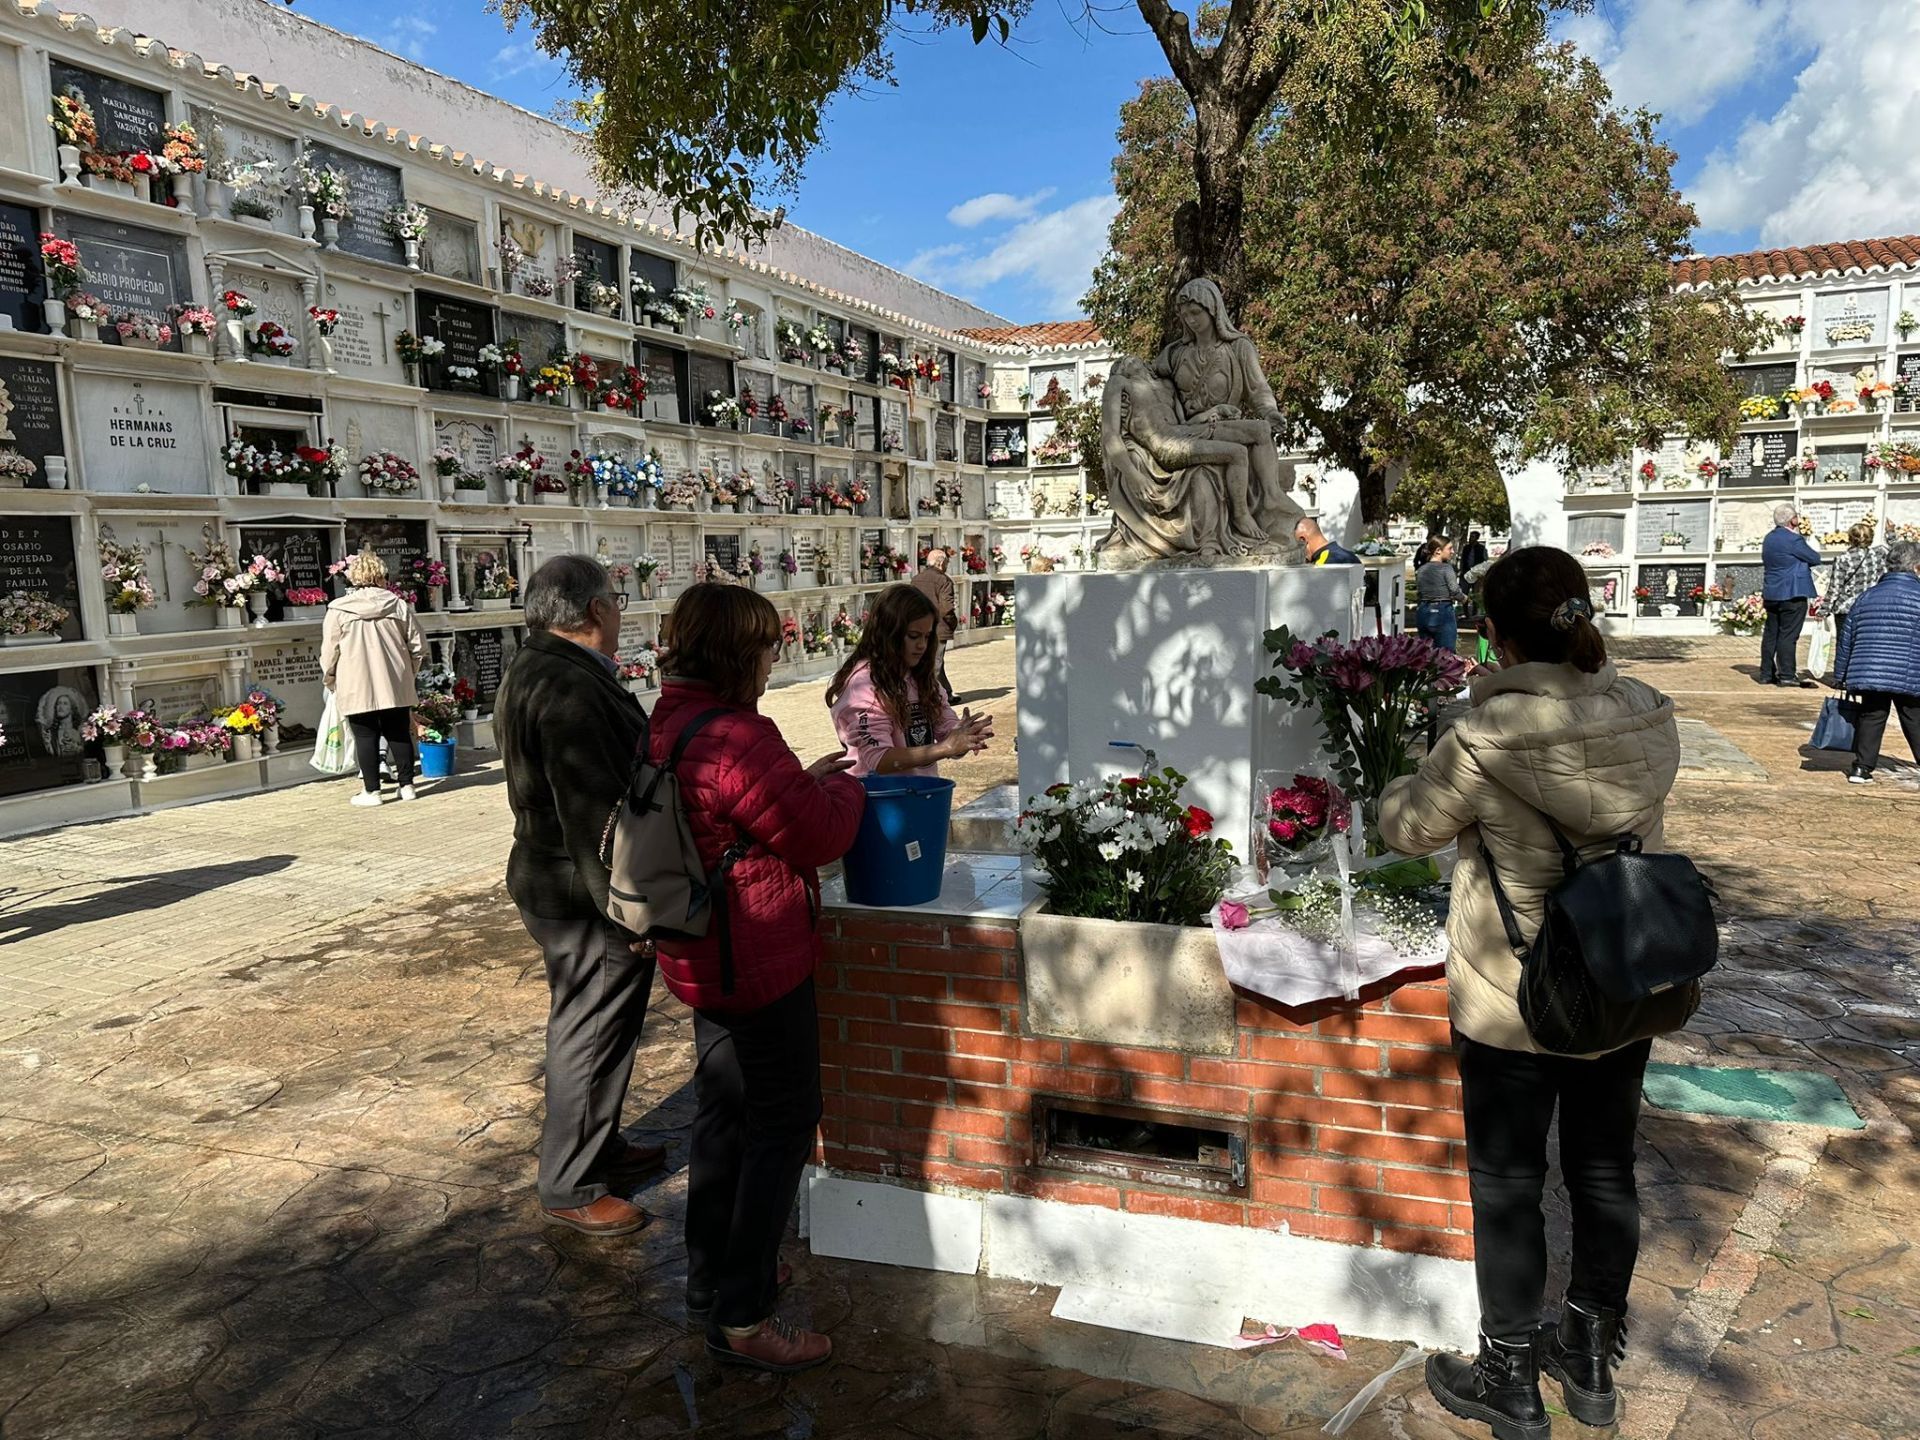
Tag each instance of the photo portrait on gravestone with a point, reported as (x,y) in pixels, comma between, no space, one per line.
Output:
(41,712)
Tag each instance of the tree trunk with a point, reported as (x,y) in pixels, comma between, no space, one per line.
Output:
(1373,493)
(1218,146)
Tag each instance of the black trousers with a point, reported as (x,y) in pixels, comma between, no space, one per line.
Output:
(1780,641)
(599,993)
(1509,1097)
(756,1106)
(1871,728)
(369,728)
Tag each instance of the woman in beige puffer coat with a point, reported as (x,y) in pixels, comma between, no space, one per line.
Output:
(370,650)
(1555,733)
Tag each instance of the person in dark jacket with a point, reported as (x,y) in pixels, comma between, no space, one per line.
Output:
(567,730)
(934,583)
(1320,549)
(749,980)
(1473,554)
(1787,585)
(1879,659)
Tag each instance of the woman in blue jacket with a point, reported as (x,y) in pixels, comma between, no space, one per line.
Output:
(1880,658)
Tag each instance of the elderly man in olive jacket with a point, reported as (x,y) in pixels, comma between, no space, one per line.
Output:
(567,729)
(934,583)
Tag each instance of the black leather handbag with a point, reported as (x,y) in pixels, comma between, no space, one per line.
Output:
(1620,954)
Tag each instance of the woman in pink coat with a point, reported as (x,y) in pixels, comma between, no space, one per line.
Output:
(888,709)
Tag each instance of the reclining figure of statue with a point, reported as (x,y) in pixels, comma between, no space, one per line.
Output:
(1192,470)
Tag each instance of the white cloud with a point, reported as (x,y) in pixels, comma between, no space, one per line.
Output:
(518,58)
(1836,161)
(997,206)
(1682,57)
(408,36)
(1049,255)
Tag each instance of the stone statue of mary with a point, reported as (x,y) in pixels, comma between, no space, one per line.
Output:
(1216,373)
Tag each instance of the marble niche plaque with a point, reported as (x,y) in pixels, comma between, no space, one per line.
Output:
(666,372)
(179,698)
(290,672)
(142,436)
(22,285)
(41,712)
(482,656)
(452,248)
(546,539)
(540,248)
(129,117)
(280,299)
(1759,459)
(363,340)
(37,556)
(464,329)
(539,338)
(372,190)
(30,421)
(477,443)
(130,267)
(398,542)
(245,146)
(303,551)
(362,428)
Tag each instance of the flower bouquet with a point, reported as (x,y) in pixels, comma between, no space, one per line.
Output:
(1295,822)
(270,338)
(1373,696)
(123,570)
(386,473)
(25,613)
(1126,849)
(522,467)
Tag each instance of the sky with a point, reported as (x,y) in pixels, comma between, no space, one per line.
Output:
(987,171)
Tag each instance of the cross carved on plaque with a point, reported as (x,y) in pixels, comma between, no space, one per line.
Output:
(382,314)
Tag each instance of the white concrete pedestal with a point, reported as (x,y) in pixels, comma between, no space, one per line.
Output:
(1168,659)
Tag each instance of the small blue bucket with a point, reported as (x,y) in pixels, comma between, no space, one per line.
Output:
(901,851)
(436,759)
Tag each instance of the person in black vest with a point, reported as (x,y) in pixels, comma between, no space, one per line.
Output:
(568,729)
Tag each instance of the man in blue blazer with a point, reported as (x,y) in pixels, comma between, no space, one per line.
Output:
(1788,561)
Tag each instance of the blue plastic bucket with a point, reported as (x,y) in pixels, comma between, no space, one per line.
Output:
(901,851)
(436,759)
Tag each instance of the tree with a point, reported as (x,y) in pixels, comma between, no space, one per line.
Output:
(1451,499)
(1496,286)
(710,104)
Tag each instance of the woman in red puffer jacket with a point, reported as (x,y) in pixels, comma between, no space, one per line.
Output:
(750,980)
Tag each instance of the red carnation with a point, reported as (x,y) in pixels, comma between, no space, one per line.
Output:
(1199,822)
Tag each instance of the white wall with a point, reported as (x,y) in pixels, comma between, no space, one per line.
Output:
(264,38)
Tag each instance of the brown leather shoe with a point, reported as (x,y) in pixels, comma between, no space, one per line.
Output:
(609,1215)
(772,1345)
(631,1161)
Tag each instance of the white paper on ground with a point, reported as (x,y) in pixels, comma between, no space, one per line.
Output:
(1198,1323)
(1357,1406)
(1270,958)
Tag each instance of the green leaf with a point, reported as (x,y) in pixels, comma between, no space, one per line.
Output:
(1860,1312)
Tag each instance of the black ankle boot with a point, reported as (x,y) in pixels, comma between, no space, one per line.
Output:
(1500,1388)
(1581,1353)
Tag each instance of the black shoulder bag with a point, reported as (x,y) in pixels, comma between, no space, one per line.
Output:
(1621,951)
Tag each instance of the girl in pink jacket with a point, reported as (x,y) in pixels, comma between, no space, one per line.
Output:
(887,706)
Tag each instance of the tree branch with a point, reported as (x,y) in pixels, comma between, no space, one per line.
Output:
(1169,27)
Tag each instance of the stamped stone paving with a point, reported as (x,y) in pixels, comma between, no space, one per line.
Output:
(275,1180)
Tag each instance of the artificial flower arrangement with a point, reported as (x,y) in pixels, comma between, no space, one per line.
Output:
(1759,407)
(135,729)
(523,467)
(1642,593)
(721,410)
(325,318)
(405,221)
(642,666)
(388,473)
(1648,470)
(416,349)
(719,488)
(30,612)
(983,391)
(777,410)
(1745,616)
(305,597)
(1672,539)
(680,493)
(123,570)
(735,319)
(1126,849)
(238,302)
(857,493)
(553,382)
(86,309)
(926,369)
(492,358)
(139,328)
(1708,468)
(792,341)
(613,475)
(60,261)
(1055,399)
(621,387)
(192,319)
(427,573)
(646,566)
(271,466)
(1793,324)
(749,402)
(325,190)
(1598,550)
(271,338)
(72,120)
(494,583)
(218,581)
(1802,526)
(997,556)
(1369,694)
(974,561)
(852,352)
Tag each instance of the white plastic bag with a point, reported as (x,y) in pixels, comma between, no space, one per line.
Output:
(333,752)
(1820,648)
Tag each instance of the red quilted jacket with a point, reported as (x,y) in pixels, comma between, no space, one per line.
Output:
(739,780)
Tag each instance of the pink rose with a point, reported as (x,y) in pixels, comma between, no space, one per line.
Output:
(1233,915)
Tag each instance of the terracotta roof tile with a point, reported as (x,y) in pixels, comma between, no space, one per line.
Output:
(1053,332)
(1800,262)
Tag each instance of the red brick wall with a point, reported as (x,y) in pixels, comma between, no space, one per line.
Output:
(1354,1107)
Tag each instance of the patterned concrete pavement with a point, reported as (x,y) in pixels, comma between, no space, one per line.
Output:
(283,1188)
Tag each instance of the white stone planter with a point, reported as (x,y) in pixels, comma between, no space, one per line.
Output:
(197,344)
(493,604)
(189,763)
(1117,983)
(116,759)
(128,624)
(32,637)
(56,313)
(303,614)
(285,489)
(226,617)
(548,497)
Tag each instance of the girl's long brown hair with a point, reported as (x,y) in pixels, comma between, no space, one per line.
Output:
(881,646)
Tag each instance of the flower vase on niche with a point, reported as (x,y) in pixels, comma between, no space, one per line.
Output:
(510,387)
(270,739)
(128,624)
(56,468)
(329,233)
(219,198)
(143,188)
(225,617)
(233,329)
(56,313)
(323,351)
(242,748)
(257,605)
(413,253)
(69,164)
(183,193)
(116,756)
